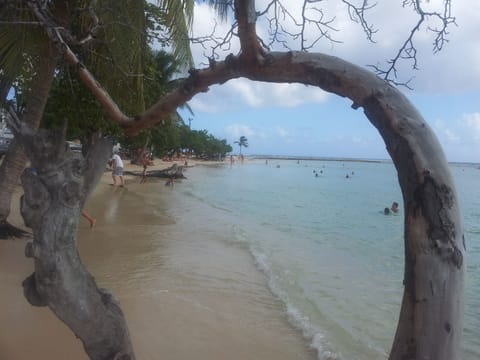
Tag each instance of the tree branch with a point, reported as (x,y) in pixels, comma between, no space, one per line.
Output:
(246,17)
(114,112)
(408,50)
(357,14)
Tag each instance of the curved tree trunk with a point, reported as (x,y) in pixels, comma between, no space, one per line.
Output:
(431,318)
(430,324)
(56,188)
(15,159)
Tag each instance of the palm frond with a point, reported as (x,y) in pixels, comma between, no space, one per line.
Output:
(22,42)
(178,19)
(117,57)
(221,7)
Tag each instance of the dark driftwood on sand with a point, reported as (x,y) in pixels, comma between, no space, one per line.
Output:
(9,231)
(174,171)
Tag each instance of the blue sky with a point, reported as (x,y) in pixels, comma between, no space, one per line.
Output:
(294,119)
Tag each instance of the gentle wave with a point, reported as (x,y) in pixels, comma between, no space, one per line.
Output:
(326,249)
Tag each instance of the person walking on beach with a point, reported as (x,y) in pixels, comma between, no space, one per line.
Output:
(145,162)
(117,165)
(90,218)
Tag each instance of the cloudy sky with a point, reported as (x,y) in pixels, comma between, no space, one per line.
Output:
(293,119)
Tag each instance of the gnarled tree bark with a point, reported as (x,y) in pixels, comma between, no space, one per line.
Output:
(15,159)
(56,187)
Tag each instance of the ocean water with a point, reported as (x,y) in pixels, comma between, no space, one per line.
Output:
(327,250)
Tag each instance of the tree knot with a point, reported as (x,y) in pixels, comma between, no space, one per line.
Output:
(31,293)
(36,199)
(449,252)
(70,193)
(435,201)
(32,250)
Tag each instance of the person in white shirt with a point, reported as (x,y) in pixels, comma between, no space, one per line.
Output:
(117,165)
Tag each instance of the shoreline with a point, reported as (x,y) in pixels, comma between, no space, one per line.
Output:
(168,277)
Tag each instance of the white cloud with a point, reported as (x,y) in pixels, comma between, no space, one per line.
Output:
(246,90)
(451,136)
(282,132)
(445,132)
(472,122)
(239,93)
(359,140)
(200,104)
(466,129)
(236,130)
(460,138)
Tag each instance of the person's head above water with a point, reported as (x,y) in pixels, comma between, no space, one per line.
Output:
(394,207)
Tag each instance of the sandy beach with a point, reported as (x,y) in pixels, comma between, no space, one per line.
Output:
(170,284)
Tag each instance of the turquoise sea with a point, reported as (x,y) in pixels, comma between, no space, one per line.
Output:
(324,245)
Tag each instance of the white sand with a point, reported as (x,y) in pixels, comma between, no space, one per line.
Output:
(171,286)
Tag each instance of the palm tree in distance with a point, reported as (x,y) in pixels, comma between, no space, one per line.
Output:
(243,141)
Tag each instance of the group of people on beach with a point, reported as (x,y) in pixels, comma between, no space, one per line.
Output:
(116,163)
(233,158)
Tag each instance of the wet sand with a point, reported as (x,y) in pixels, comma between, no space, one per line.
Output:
(185,294)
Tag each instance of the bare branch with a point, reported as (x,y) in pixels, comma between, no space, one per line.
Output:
(312,25)
(408,50)
(357,14)
(215,43)
(19,22)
